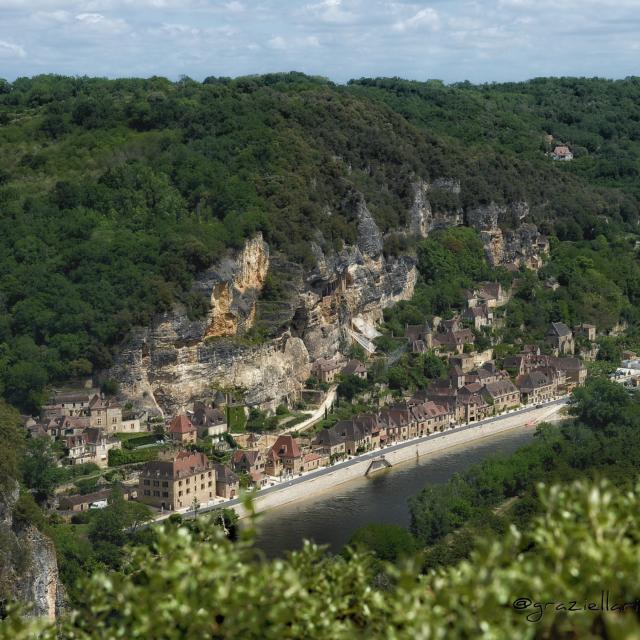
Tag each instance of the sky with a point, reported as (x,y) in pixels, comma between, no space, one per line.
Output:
(451,40)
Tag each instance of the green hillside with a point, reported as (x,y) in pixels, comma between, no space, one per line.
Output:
(113,193)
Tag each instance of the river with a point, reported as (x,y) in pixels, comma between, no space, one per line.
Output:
(331,518)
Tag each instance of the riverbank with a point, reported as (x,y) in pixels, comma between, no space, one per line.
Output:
(332,517)
(327,478)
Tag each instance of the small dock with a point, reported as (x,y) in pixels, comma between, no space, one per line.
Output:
(377,464)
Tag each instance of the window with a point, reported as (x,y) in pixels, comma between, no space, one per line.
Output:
(156,483)
(202,487)
(165,494)
(179,493)
(156,493)
(147,492)
(99,421)
(188,491)
(165,483)
(210,483)
(146,483)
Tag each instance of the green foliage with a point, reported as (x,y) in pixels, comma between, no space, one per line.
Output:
(385,541)
(11,445)
(118,457)
(114,193)
(584,540)
(236,419)
(351,385)
(108,527)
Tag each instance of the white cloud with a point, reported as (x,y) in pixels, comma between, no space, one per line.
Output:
(426,17)
(331,12)
(277,42)
(10,50)
(234,6)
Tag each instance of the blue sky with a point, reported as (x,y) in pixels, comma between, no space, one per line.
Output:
(447,39)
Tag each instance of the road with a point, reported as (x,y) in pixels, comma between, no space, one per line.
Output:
(519,417)
(317,415)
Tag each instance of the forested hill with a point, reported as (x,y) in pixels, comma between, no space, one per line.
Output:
(113,193)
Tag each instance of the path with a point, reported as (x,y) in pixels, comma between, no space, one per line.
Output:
(316,416)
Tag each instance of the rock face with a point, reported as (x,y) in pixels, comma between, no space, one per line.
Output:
(447,212)
(28,565)
(177,360)
(520,245)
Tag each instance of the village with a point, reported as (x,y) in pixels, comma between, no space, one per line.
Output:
(200,457)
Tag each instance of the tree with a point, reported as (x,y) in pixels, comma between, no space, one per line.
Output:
(386,541)
(351,385)
(39,470)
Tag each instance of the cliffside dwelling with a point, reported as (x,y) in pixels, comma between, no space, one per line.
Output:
(560,337)
(355,368)
(209,421)
(325,370)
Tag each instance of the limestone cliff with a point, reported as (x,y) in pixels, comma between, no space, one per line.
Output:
(28,565)
(436,205)
(264,346)
(520,244)
(177,360)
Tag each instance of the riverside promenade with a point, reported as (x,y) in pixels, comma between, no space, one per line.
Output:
(324,479)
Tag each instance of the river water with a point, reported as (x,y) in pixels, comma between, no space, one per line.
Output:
(331,518)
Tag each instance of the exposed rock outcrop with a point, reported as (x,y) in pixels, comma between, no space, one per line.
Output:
(424,217)
(520,245)
(177,360)
(28,564)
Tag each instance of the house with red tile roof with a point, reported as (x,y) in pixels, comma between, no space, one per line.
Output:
(181,430)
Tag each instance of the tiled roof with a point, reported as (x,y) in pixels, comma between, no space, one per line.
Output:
(181,424)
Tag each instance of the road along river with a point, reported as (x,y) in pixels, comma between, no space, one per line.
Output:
(332,517)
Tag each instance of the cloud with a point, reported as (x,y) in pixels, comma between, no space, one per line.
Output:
(10,50)
(277,42)
(479,40)
(426,17)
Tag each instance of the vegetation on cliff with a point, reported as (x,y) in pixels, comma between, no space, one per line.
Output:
(113,194)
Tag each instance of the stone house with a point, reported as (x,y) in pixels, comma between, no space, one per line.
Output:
(502,394)
(465,361)
(325,370)
(284,457)
(312,461)
(587,331)
(355,368)
(227,482)
(248,461)
(84,502)
(561,339)
(181,430)
(562,152)
(179,482)
(574,370)
(370,423)
(330,443)
(419,333)
(536,386)
(208,420)
(71,404)
(479,316)
(106,414)
(98,443)
(134,422)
